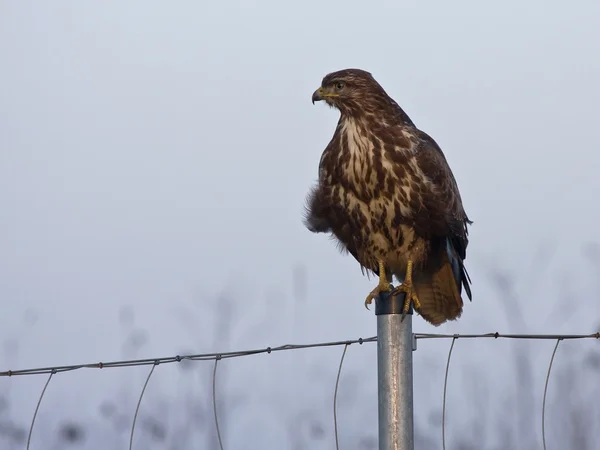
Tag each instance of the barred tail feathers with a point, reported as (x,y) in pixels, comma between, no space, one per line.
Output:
(439,291)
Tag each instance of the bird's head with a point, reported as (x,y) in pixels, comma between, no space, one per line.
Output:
(350,90)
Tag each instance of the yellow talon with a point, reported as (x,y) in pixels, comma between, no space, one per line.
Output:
(382,286)
(407,288)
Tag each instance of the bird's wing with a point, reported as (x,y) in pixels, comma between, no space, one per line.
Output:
(436,205)
(436,208)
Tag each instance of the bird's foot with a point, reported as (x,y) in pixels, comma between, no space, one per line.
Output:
(410,297)
(383,286)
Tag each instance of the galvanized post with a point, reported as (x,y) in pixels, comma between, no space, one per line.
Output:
(395,344)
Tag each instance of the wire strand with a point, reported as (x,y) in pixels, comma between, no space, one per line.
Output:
(268,350)
(37,408)
(214,395)
(444,400)
(137,408)
(178,358)
(497,335)
(545,392)
(335,393)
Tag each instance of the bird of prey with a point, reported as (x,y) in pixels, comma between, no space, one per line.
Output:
(386,194)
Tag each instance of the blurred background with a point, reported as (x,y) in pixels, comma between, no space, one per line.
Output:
(154,161)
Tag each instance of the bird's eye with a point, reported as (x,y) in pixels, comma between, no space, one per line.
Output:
(339,85)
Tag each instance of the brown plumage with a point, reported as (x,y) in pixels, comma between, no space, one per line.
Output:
(388,196)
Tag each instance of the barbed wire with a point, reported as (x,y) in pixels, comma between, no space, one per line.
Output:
(216,357)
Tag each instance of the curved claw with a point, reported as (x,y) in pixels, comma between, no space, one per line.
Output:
(375,292)
(382,286)
(410,297)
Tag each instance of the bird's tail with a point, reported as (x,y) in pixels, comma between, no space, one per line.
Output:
(439,290)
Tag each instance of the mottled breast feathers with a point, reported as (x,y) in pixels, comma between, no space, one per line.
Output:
(385,190)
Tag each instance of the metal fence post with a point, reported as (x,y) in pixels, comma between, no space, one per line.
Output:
(395,345)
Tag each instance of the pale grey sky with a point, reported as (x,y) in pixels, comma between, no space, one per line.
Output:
(154,155)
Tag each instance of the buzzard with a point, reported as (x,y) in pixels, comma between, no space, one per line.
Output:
(386,194)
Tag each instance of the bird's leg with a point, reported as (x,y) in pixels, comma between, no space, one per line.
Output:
(407,288)
(382,286)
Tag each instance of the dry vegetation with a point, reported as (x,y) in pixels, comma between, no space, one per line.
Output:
(574,391)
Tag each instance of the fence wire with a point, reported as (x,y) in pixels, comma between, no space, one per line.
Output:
(216,357)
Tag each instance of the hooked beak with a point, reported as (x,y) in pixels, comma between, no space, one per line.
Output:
(317,95)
